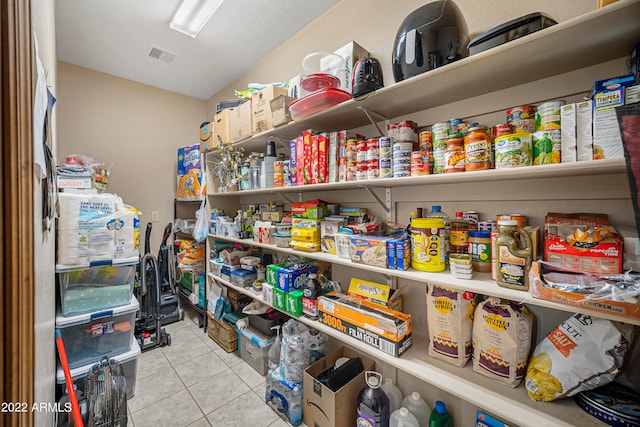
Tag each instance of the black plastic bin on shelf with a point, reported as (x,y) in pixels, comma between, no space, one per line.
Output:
(264,322)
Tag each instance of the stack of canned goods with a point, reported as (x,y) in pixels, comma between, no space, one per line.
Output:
(373,158)
(404,136)
(351,154)
(386,156)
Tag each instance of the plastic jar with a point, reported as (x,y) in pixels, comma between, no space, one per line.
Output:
(480,250)
(513,256)
(477,149)
(454,154)
(427,249)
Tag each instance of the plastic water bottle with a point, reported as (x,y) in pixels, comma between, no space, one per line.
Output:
(373,403)
(274,350)
(436,212)
(418,407)
(393,393)
(311,290)
(403,418)
(439,416)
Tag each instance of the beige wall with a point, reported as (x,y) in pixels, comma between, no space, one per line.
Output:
(43,25)
(373,24)
(135,128)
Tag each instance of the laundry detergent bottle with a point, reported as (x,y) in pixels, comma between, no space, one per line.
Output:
(439,416)
(373,403)
(418,407)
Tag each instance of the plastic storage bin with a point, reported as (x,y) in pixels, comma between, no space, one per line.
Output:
(91,336)
(243,277)
(254,349)
(128,360)
(96,287)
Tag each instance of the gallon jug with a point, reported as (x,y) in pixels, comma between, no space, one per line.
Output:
(418,407)
(439,416)
(403,418)
(373,403)
(513,256)
(393,393)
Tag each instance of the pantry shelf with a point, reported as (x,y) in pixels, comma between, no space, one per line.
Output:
(559,170)
(482,284)
(601,35)
(512,404)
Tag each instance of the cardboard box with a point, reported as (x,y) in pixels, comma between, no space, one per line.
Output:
(569,144)
(584,131)
(376,293)
(221,127)
(387,330)
(261,115)
(293,278)
(240,122)
(540,291)
(324,407)
(352,52)
(206,136)
(607,95)
(582,242)
(279,299)
(329,227)
(280,110)
(293,303)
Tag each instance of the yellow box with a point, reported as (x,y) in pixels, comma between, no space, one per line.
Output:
(376,293)
(305,234)
(261,115)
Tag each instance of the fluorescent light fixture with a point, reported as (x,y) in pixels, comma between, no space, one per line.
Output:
(192,15)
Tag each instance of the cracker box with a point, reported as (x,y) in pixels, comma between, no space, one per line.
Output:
(293,163)
(583,242)
(301,164)
(584,130)
(323,159)
(387,330)
(568,147)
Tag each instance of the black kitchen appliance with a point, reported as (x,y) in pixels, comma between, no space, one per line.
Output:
(429,37)
(367,77)
(509,31)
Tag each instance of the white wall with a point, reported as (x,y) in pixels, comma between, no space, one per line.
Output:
(43,24)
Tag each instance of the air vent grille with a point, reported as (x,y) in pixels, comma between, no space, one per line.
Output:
(162,54)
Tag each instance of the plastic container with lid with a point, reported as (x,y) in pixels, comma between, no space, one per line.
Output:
(418,407)
(403,418)
(316,102)
(477,149)
(439,416)
(323,62)
(513,256)
(318,81)
(480,250)
(91,336)
(427,251)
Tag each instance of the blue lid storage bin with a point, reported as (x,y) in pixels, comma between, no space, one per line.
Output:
(97,286)
(91,336)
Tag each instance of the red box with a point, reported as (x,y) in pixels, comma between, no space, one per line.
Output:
(300,164)
(308,155)
(583,242)
(323,158)
(314,159)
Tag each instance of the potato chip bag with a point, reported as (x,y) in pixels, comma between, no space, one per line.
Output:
(501,340)
(450,323)
(582,353)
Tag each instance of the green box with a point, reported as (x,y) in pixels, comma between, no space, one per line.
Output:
(272,273)
(187,281)
(279,299)
(293,303)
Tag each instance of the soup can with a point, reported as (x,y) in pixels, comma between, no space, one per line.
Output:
(351,149)
(548,115)
(441,130)
(519,218)
(373,169)
(522,119)
(427,249)
(351,170)
(385,168)
(385,144)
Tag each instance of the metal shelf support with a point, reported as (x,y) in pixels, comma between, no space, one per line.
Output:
(385,204)
(369,113)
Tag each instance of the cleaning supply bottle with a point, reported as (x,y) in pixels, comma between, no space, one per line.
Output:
(274,350)
(373,403)
(418,407)
(439,416)
(403,418)
(393,393)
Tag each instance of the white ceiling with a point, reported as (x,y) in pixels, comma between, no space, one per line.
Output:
(116,37)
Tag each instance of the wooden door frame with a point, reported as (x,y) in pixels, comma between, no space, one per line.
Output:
(17,349)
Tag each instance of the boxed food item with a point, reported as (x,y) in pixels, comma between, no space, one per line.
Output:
(574,290)
(305,234)
(584,130)
(376,293)
(582,242)
(305,223)
(399,253)
(569,142)
(261,115)
(310,209)
(306,246)
(293,163)
(370,250)
(328,228)
(325,406)
(607,95)
(387,330)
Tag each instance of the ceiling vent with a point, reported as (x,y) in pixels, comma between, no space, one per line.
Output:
(162,54)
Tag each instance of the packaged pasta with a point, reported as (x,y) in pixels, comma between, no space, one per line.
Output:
(582,353)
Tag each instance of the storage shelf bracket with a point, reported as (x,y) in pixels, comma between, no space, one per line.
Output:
(385,204)
(284,196)
(370,113)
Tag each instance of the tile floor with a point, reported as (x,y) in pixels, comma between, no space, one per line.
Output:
(193,382)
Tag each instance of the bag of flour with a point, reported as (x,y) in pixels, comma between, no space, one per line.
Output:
(501,340)
(450,323)
(582,353)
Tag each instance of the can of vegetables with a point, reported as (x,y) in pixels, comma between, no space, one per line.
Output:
(546,147)
(513,150)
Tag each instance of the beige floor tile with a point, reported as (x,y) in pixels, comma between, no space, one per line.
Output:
(246,410)
(180,352)
(230,359)
(202,422)
(151,362)
(249,375)
(199,368)
(177,410)
(218,390)
(153,388)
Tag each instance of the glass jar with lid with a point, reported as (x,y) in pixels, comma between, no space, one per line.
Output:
(477,149)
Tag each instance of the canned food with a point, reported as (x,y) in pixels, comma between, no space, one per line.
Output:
(488,226)
(402,146)
(519,218)
(407,131)
(401,174)
(373,169)
(351,170)
(385,144)
(440,131)
(513,150)
(351,149)
(439,160)
(501,129)
(548,115)
(472,217)
(385,168)
(477,149)
(546,146)
(392,130)
(522,119)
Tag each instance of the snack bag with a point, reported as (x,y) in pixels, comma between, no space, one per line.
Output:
(582,353)
(450,323)
(501,340)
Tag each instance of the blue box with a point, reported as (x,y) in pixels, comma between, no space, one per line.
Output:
(293,165)
(391,254)
(293,278)
(403,254)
